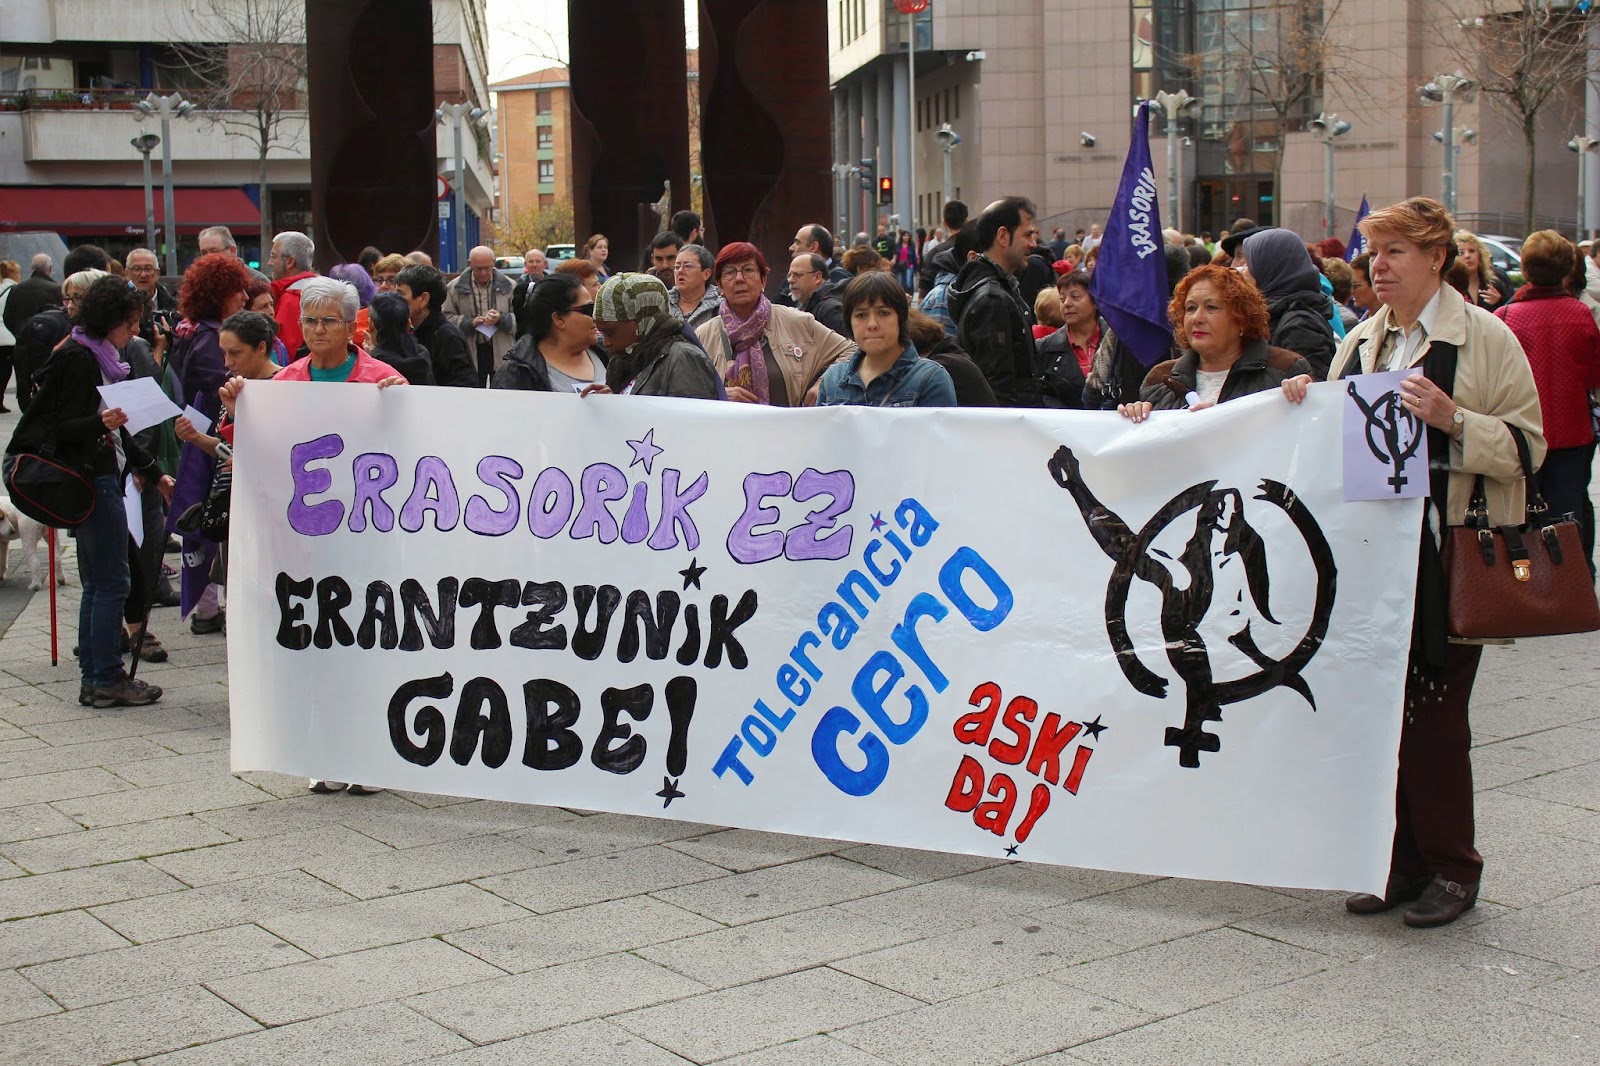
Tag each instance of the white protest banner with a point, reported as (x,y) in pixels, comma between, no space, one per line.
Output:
(1169,648)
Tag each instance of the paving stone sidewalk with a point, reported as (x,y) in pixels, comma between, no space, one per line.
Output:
(155,908)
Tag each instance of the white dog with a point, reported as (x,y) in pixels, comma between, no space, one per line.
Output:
(18,527)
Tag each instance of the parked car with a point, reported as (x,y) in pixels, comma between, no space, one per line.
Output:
(561,251)
(1505,253)
(510,264)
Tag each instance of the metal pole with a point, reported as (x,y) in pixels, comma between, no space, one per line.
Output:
(1172,160)
(166,200)
(1583,190)
(149,202)
(911,156)
(1447,177)
(1327,177)
(949,174)
(460,222)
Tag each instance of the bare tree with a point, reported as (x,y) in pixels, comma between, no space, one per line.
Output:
(1529,59)
(1263,66)
(251,72)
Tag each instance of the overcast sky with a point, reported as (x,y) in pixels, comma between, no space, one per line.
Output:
(523,32)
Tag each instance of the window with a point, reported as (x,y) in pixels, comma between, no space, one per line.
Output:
(547,171)
(541,102)
(547,137)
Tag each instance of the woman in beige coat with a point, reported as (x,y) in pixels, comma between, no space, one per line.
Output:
(1476,382)
(766,353)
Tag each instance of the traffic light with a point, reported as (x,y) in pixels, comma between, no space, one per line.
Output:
(885,190)
(869,171)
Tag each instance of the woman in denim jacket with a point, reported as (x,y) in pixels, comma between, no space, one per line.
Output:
(885,370)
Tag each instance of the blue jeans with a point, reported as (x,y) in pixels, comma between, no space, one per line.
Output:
(103,567)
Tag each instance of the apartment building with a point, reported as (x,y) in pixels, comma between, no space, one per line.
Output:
(1041,95)
(72,71)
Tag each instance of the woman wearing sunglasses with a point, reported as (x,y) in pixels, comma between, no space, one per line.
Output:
(555,330)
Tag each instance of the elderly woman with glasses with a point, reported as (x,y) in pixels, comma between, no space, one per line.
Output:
(766,353)
(327,320)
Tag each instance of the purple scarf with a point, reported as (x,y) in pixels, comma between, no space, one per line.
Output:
(749,369)
(112,368)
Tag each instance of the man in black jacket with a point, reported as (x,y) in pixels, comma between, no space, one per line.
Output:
(30,297)
(423,289)
(993,325)
(808,282)
(814,239)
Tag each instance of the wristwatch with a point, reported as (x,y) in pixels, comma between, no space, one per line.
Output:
(1459,421)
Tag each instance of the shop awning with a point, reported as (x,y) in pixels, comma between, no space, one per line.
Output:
(87,212)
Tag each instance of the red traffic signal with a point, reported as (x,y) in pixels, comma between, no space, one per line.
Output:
(885,190)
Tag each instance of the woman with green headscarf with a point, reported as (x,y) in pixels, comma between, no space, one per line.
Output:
(650,355)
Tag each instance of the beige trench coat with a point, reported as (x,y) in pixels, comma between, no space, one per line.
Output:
(801,345)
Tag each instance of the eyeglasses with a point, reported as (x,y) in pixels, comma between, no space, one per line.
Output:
(143,268)
(749,270)
(385,279)
(311,325)
(800,273)
(580,309)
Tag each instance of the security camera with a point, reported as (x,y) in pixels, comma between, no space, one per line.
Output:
(1086,139)
(947,137)
(976,56)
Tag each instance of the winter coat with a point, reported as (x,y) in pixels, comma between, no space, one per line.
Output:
(911,381)
(37,338)
(972,388)
(447,349)
(7,338)
(286,309)
(801,346)
(994,326)
(460,310)
(203,369)
(1299,323)
(65,414)
(1494,386)
(367,369)
(666,363)
(1061,378)
(411,361)
(524,370)
(703,312)
(936,293)
(1563,347)
(27,299)
(1259,368)
(827,310)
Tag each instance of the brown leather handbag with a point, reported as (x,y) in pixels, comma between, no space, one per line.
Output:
(1530,580)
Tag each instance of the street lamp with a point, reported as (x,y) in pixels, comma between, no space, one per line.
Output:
(144,143)
(1583,146)
(1176,105)
(911,9)
(1446,89)
(459,114)
(167,108)
(1328,128)
(948,138)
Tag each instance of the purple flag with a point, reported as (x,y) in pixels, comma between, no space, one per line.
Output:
(195,468)
(1129,284)
(1358,243)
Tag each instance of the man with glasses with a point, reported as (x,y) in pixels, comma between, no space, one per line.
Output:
(144,274)
(807,284)
(692,292)
(815,239)
(424,292)
(218,240)
(478,304)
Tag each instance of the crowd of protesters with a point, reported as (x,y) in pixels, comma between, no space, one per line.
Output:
(982,312)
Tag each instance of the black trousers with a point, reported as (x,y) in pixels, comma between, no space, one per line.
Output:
(1434,826)
(7,354)
(1564,480)
(485,363)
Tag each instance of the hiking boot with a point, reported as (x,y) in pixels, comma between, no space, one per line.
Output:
(124,692)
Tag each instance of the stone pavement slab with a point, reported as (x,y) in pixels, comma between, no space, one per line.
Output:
(156,908)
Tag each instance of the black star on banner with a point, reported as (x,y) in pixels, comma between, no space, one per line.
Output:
(691,575)
(1094,728)
(1012,850)
(669,792)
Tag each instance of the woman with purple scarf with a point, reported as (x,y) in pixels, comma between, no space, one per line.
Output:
(68,414)
(765,352)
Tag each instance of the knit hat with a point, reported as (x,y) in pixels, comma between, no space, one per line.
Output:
(637,298)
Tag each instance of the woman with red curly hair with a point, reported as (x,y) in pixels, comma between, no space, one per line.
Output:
(1222,324)
(214,288)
